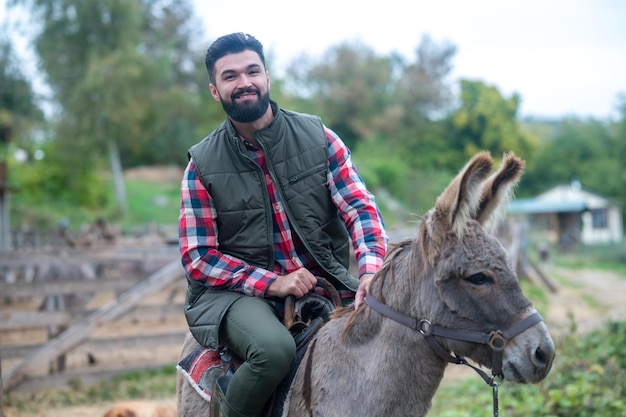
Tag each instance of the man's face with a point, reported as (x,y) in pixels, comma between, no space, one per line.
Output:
(242,86)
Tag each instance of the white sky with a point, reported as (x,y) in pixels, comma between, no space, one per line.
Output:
(563,57)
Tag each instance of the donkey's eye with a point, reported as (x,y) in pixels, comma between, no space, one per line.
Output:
(478,279)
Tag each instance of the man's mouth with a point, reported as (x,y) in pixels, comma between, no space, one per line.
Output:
(246,95)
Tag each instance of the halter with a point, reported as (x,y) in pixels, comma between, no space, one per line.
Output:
(496,340)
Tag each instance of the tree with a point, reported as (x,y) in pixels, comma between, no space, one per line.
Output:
(18,114)
(351,88)
(117,69)
(422,95)
(582,150)
(487,121)
(19,111)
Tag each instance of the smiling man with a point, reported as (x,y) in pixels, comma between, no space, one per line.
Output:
(270,201)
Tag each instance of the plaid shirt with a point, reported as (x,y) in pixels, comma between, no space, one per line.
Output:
(198,234)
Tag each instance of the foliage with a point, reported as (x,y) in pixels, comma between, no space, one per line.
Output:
(152,384)
(487,121)
(350,87)
(129,89)
(601,257)
(149,202)
(122,74)
(593,384)
(361,94)
(590,151)
(19,109)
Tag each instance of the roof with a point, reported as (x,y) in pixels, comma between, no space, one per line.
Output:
(533,205)
(560,199)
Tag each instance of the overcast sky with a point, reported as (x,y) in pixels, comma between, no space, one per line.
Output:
(563,57)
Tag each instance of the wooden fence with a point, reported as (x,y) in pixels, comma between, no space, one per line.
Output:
(78,314)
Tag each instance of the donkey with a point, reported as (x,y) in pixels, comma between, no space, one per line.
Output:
(446,294)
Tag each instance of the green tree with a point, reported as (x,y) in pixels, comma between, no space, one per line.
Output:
(19,115)
(584,150)
(350,88)
(487,121)
(422,95)
(123,75)
(19,111)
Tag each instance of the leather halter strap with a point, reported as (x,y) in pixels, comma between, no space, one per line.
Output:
(496,339)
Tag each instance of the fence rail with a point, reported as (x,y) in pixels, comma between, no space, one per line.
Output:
(85,313)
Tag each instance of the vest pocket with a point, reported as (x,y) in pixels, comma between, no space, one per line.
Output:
(307,173)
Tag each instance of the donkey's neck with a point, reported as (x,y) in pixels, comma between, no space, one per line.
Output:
(414,370)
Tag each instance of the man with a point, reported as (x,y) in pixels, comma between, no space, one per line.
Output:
(270,201)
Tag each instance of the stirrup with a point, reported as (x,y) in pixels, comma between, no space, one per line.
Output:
(219,406)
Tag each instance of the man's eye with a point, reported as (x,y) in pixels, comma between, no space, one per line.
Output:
(478,279)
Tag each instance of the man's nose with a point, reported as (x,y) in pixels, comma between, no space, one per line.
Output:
(244,81)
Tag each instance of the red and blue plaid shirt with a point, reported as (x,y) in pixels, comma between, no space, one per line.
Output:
(198,234)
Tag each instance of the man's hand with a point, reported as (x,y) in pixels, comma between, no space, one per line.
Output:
(297,283)
(364,286)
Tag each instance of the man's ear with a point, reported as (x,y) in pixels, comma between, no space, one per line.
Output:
(214,92)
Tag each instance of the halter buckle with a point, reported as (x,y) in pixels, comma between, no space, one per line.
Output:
(496,340)
(425,327)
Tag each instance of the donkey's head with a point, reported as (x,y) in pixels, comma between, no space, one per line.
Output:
(472,274)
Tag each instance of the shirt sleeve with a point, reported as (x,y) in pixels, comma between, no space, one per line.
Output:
(357,207)
(198,242)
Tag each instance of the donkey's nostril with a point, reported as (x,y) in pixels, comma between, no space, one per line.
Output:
(541,357)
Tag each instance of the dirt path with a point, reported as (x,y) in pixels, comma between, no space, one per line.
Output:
(585,297)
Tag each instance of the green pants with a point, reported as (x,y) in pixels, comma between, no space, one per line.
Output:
(252,329)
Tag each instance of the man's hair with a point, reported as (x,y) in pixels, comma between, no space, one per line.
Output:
(231,44)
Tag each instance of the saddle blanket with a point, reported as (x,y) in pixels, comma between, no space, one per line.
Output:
(202,367)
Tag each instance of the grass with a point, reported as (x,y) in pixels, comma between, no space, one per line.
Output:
(145,385)
(149,202)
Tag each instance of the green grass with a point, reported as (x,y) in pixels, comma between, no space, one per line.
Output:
(602,257)
(145,385)
(150,202)
(588,379)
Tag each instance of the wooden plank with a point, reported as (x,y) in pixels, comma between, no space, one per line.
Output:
(81,255)
(108,344)
(35,319)
(81,331)
(30,320)
(70,286)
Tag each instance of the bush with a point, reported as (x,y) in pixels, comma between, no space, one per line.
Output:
(588,379)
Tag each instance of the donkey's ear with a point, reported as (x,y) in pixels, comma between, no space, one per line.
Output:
(498,189)
(459,201)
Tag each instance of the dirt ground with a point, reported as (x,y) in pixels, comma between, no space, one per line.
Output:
(584,297)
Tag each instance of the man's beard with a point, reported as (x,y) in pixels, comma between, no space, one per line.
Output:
(247,111)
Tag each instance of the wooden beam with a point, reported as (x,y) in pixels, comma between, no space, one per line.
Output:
(95,346)
(37,319)
(81,331)
(67,286)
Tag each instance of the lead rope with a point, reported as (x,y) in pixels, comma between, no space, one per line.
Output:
(495,385)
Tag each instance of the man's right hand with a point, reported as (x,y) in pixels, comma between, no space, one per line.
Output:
(297,283)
